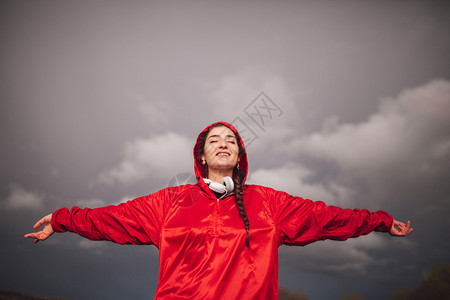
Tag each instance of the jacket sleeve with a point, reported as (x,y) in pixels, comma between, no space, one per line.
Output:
(301,221)
(135,222)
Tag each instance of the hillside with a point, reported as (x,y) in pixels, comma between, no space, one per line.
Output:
(9,295)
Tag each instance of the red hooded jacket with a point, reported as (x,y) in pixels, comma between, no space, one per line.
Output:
(202,240)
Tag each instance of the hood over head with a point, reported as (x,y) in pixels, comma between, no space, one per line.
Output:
(200,169)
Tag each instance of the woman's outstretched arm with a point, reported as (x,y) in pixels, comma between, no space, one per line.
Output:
(45,233)
(137,222)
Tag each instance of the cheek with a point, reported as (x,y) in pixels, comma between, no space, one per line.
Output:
(208,150)
(236,150)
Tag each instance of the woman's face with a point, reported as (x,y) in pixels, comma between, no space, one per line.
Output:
(221,150)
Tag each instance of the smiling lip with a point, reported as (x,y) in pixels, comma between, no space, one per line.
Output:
(223,154)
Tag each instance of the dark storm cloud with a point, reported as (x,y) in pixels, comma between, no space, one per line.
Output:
(94,94)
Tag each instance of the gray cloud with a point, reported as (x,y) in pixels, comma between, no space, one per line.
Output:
(20,198)
(293,179)
(406,139)
(102,103)
(412,126)
(159,156)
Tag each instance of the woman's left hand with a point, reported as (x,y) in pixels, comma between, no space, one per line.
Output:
(400,229)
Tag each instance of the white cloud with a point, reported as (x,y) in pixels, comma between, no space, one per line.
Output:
(94,246)
(124,199)
(349,257)
(161,156)
(20,198)
(292,178)
(408,135)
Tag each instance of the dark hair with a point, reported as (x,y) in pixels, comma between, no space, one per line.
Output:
(239,197)
(238,178)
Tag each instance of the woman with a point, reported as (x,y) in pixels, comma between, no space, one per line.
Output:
(212,246)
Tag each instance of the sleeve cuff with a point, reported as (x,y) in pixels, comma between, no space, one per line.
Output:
(60,220)
(386,221)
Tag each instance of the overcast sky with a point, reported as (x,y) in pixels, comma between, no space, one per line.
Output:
(101,102)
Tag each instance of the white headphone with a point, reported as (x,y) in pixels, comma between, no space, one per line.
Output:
(226,186)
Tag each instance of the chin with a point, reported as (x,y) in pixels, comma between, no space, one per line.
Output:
(225,166)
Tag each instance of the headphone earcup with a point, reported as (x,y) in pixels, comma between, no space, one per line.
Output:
(228,183)
(217,187)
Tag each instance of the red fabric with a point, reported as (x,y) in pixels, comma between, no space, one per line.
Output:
(201,241)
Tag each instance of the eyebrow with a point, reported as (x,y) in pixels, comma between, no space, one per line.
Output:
(227,136)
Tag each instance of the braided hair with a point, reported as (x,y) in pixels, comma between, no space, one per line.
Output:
(238,178)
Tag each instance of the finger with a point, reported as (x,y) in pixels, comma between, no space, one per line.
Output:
(398,224)
(398,232)
(408,224)
(394,231)
(29,235)
(36,236)
(408,228)
(39,223)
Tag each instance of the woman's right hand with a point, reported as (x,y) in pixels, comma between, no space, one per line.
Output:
(45,233)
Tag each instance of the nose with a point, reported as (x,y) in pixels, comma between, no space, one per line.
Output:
(222,144)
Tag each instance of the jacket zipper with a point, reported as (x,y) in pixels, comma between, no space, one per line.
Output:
(216,217)
(218,206)
(217,214)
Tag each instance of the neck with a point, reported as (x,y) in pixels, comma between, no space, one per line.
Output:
(217,175)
